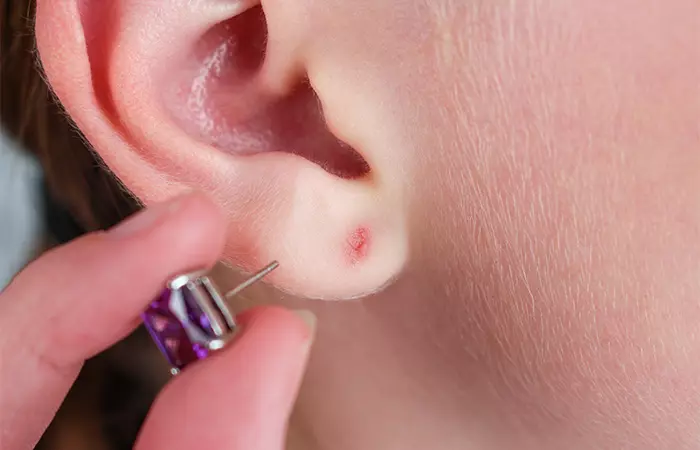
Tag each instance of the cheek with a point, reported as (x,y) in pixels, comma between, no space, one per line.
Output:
(554,206)
(575,301)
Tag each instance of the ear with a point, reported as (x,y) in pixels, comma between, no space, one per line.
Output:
(213,95)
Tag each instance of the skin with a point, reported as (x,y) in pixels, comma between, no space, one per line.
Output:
(531,208)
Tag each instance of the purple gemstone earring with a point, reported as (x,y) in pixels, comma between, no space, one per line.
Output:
(190,319)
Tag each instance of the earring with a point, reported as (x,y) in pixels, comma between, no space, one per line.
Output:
(190,319)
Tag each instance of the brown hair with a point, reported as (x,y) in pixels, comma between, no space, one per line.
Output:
(29,113)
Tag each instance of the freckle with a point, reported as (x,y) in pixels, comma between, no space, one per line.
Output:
(358,245)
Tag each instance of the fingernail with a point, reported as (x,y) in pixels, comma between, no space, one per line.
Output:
(310,320)
(143,219)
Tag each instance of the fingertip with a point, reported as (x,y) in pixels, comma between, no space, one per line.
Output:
(244,393)
(194,230)
(298,323)
(272,344)
(211,216)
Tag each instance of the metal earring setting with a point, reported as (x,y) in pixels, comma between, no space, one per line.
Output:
(190,318)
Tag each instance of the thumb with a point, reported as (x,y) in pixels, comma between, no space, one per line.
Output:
(238,398)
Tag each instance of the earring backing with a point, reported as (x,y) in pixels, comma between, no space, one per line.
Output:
(190,318)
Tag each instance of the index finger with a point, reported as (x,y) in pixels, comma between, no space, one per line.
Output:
(81,298)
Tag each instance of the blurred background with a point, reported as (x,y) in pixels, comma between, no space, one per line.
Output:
(21,218)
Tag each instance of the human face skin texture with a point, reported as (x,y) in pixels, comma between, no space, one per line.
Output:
(518,249)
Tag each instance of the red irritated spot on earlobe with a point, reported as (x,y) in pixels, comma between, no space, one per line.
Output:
(358,245)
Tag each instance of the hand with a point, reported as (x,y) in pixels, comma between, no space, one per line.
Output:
(79,299)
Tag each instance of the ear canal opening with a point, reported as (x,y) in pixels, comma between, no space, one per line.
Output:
(303,126)
(230,109)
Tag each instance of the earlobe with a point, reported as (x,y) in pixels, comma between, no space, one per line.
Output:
(198,96)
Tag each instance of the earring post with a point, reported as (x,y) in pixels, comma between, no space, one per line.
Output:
(252,279)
